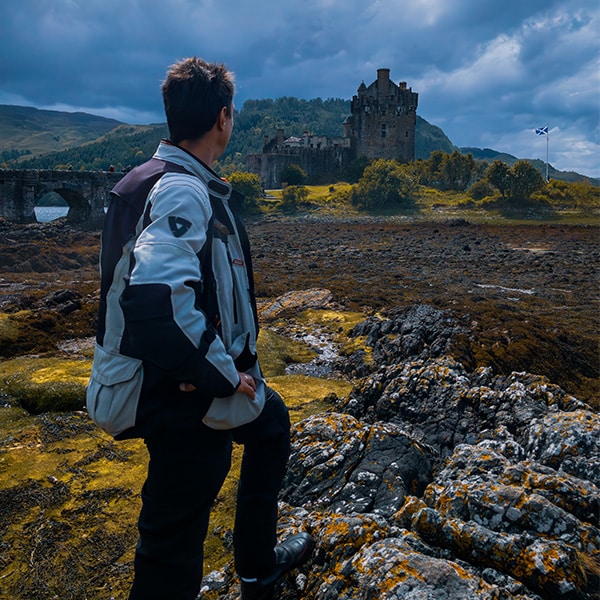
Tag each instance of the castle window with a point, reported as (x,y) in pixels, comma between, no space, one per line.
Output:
(383,130)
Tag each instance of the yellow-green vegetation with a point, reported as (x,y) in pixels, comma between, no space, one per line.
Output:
(337,323)
(325,200)
(558,202)
(69,498)
(304,395)
(9,330)
(277,351)
(36,331)
(70,494)
(334,321)
(45,384)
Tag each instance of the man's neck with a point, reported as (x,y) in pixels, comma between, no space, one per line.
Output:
(202,149)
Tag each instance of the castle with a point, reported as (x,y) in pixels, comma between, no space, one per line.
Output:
(381,125)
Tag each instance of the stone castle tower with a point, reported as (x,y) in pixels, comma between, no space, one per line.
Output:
(381,125)
(383,119)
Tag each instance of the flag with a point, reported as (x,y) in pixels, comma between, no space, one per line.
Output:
(542,130)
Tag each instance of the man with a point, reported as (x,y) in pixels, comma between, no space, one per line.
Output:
(177,296)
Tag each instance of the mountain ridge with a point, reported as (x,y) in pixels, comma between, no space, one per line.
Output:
(39,138)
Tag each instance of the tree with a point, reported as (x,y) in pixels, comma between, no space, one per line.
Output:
(428,170)
(445,171)
(293,175)
(354,171)
(455,171)
(498,175)
(525,179)
(247,184)
(384,183)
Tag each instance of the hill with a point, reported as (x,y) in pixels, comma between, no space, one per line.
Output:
(45,139)
(27,131)
(490,155)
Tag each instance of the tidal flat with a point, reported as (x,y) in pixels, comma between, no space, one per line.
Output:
(527,296)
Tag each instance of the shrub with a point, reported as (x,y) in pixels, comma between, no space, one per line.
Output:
(292,196)
(384,183)
(562,194)
(481,189)
(341,194)
(247,184)
(293,175)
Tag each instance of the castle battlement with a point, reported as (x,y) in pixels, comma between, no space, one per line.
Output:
(384,117)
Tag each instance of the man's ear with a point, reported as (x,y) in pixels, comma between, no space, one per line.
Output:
(222,120)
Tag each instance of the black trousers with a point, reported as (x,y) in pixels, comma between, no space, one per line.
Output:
(187,467)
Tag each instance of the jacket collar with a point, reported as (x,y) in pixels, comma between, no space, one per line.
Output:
(172,153)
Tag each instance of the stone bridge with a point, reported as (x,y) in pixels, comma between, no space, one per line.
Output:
(86,193)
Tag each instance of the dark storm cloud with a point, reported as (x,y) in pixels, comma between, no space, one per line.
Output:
(488,72)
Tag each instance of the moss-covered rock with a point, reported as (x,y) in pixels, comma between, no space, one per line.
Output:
(45,384)
(70,494)
(277,352)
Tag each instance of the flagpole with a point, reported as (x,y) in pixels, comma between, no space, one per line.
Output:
(547,143)
(545,131)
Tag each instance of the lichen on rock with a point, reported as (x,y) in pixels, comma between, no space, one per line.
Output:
(434,457)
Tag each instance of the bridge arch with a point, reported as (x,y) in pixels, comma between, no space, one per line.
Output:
(79,207)
(86,193)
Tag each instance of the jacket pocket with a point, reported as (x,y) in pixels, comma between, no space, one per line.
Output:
(113,390)
(237,410)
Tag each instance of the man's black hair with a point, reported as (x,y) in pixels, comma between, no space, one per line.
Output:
(194,92)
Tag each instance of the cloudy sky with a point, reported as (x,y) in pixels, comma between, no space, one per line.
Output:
(488,72)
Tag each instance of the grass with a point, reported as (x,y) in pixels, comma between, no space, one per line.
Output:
(70,494)
(45,384)
(429,205)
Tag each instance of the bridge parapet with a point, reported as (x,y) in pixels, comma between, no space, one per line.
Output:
(86,193)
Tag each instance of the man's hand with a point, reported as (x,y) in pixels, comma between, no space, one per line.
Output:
(247,385)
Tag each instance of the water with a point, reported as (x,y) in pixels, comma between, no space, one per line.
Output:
(43,214)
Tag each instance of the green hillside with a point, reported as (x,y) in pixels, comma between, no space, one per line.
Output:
(114,143)
(29,131)
(490,155)
(44,139)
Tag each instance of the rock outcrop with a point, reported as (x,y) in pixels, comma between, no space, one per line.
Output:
(428,481)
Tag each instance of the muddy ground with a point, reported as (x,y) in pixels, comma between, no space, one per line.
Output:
(530,293)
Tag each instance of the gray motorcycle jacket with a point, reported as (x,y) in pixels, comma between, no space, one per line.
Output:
(177,290)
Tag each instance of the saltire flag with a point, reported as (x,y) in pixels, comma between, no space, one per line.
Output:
(542,130)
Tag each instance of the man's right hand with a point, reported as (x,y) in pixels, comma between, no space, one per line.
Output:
(247,385)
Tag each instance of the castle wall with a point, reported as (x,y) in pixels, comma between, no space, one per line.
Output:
(322,165)
(382,125)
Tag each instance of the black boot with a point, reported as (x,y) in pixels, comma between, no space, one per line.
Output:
(290,554)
